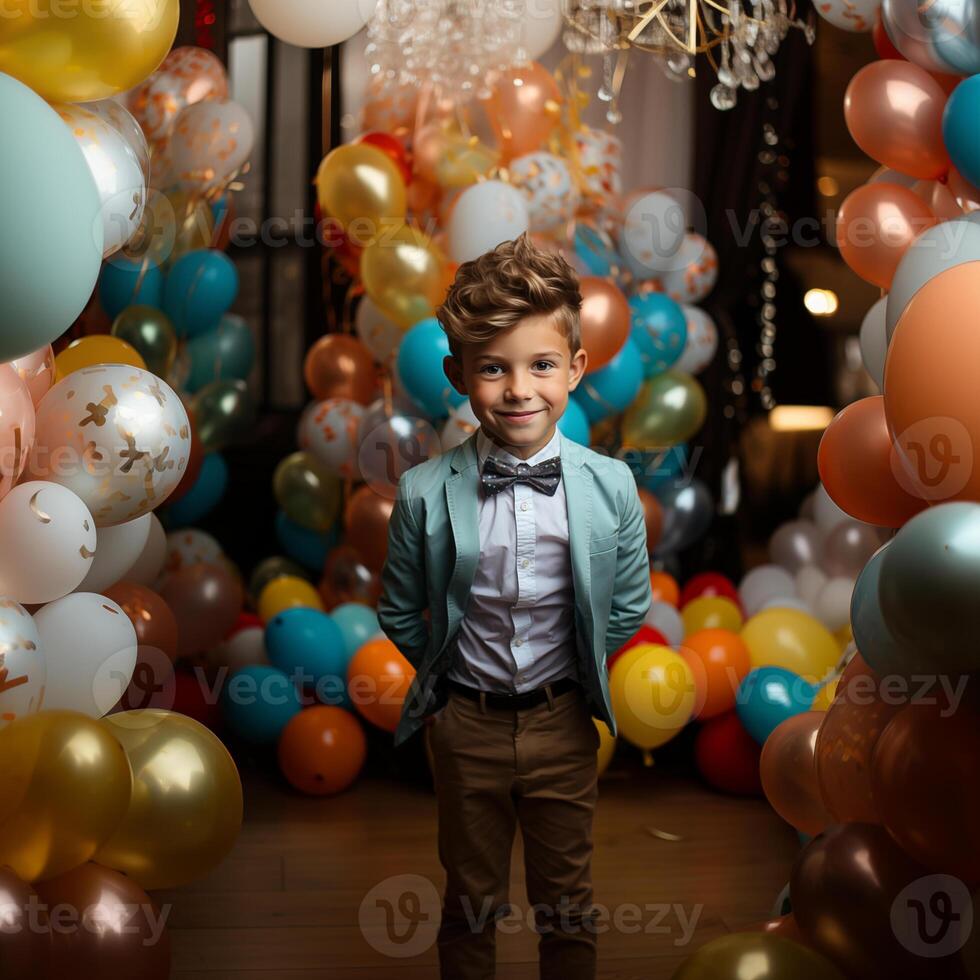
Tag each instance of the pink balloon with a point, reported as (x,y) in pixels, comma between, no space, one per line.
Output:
(37,371)
(894,112)
(16,427)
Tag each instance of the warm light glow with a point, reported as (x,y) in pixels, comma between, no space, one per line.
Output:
(828,186)
(800,418)
(821,302)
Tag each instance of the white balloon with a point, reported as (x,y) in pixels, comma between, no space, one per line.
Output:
(825,512)
(664,617)
(702,341)
(211,141)
(245,648)
(147,568)
(810,580)
(788,602)
(833,605)
(548,187)
(693,272)
(874,342)
(764,583)
(849,15)
(653,233)
(90,646)
(48,542)
(460,425)
(329,430)
(119,548)
(485,215)
(313,23)
(541,26)
(191,546)
(378,334)
(22,692)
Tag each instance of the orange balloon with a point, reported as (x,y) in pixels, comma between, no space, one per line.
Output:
(894,112)
(524,107)
(340,366)
(665,588)
(940,198)
(875,226)
(857,464)
(719,661)
(322,750)
(931,388)
(605,319)
(967,196)
(378,678)
(653,517)
(366,518)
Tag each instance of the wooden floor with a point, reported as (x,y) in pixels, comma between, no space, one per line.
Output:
(289,902)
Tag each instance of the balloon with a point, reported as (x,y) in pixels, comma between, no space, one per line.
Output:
(117,436)
(574,425)
(795,544)
(206,600)
(693,271)
(875,226)
(357,182)
(719,661)
(24,669)
(403,274)
(340,366)
(358,624)
(224,412)
(709,584)
(551,194)
(645,634)
(286,592)
(949,244)
(26,948)
(605,320)
(319,26)
(763,957)
(200,287)
(148,331)
(858,17)
(659,331)
(421,371)
(48,185)
(206,493)
(155,624)
(702,341)
(653,234)
(653,517)
(17,423)
(307,491)
(90,351)
(228,351)
(768,696)
(125,283)
(310,548)
(943,39)
(272,568)
(378,334)
(524,108)
(163,747)
(790,639)
(209,145)
(347,579)
(329,430)
(366,517)
(924,787)
(378,679)
(51,821)
(117,550)
(848,547)
(670,408)
(322,750)
(688,512)
(967,196)
(36,370)
(874,339)
(191,546)
(242,648)
(119,930)
(711,613)
(484,216)
(149,565)
(727,756)
(258,702)
(308,645)
(894,112)
(613,387)
(663,588)
(392,444)
(90,54)
(392,147)
(763,583)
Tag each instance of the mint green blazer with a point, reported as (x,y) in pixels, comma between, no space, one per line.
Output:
(434,547)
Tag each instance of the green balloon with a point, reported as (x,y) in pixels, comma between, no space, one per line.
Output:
(759,956)
(669,409)
(223,412)
(150,331)
(307,491)
(51,239)
(271,568)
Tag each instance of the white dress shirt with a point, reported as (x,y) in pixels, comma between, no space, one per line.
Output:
(518,630)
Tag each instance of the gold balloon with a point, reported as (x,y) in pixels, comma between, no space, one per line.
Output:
(271,568)
(403,274)
(669,409)
(150,332)
(359,181)
(65,785)
(186,809)
(308,491)
(83,52)
(445,156)
(224,411)
(97,349)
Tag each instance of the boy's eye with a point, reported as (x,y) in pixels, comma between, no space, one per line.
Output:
(547,364)
(486,367)
(537,364)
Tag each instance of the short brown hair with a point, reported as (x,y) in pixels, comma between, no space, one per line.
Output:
(501,287)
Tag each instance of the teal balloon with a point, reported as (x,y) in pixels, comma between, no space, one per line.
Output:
(310,548)
(960,128)
(257,702)
(661,467)
(308,646)
(200,288)
(658,327)
(51,236)
(357,622)
(206,493)
(574,423)
(419,365)
(125,283)
(594,253)
(614,386)
(879,648)
(224,353)
(768,696)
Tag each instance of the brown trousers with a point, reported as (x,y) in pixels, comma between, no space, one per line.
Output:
(494,768)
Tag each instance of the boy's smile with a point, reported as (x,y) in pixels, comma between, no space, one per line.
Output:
(518,382)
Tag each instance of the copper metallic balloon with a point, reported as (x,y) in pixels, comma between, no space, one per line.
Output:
(150,615)
(359,181)
(186,811)
(605,320)
(347,579)
(224,411)
(205,599)
(366,518)
(340,366)
(653,517)
(308,491)
(273,567)
(65,785)
(756,955)
(967,196)
(25,942)
(524,108)
(669,409)
(195,461)
(151,333)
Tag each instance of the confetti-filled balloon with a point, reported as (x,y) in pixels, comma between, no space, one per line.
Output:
(547,184)
(329,429)
(23,671)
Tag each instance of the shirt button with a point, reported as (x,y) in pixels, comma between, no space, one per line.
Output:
(518,642)
(525,562)
(524,505)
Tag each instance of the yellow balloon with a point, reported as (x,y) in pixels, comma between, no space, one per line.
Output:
(97,349)
(844,636)
(65,785)
(82,52)
(711,613)
(285,592)
(653,693)
(186,809)
(607,746)
(825,696)
(358,182)
(791,639)
(404,275)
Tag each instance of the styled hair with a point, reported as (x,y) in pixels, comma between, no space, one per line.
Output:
(514,280)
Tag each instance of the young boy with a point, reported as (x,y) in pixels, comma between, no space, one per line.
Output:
(529,552)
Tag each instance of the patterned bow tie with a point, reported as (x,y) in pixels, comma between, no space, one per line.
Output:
(498,475)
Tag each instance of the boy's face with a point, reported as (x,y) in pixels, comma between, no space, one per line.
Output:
(518,382)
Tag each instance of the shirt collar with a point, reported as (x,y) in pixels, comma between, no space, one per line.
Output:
(485,446)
